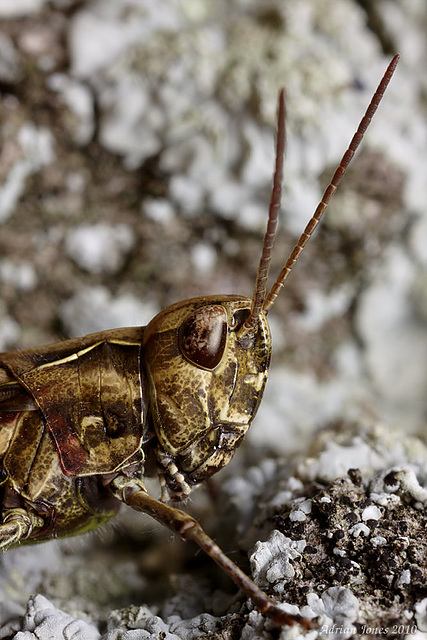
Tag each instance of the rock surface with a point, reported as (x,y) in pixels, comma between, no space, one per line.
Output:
(155,127)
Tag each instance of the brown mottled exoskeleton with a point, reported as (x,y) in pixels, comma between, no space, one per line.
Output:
(79,418)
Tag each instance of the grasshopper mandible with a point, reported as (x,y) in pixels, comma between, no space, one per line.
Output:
(80,419)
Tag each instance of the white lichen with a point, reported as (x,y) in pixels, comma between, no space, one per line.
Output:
(421,614)
(43,621)
(371,513)
(271,561)
(100,248)
(94,309)
(337,607)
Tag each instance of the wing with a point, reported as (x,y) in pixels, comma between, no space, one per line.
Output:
(13,396)
(91,393)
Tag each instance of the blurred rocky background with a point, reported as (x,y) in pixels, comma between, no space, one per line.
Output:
(137,146)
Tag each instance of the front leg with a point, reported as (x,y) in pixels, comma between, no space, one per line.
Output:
(133,493)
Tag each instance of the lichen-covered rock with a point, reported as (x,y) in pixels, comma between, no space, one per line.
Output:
(160,117)
(361,537)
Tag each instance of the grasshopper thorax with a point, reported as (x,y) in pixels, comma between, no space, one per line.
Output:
(203,401)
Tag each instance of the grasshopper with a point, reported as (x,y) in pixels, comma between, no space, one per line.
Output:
(84,420)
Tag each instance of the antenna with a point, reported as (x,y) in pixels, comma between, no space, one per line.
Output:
(260,288)
(330,190)
(261,302)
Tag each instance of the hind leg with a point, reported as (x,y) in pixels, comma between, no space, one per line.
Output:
(18,525)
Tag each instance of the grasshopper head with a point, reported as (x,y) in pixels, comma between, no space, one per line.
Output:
(205,384)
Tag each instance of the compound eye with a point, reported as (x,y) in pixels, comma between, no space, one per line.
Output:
(203,335)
